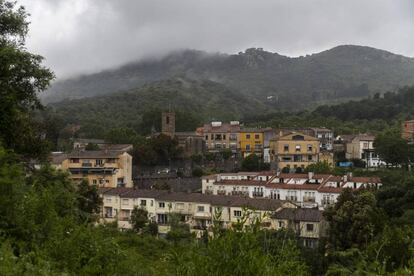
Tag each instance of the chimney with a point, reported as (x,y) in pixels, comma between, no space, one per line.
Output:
(346,178)
(349,175)
(310,175)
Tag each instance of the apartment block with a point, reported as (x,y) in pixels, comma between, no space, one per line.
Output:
(307,190)
(199,210)
(219,136)
(294,150)
(104,168)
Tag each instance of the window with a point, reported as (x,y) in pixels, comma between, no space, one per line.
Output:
(212,136)
(99,162)
(237,213)
(152,203)
(281,224)
(297,148)
(310,158)
(162,218)
(309,147)
(256,136)
(224,136)
(233,137)
(286,148)
(247,136)
(247,147)
(200,208)
(161,204)
(95,182)
(111,160)
(309,227)
(74,160)
(125,201)
(143,202)
(206,137)
(108,199)
(298,138)
(179,206)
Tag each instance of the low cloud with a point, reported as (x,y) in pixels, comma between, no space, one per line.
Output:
(84,36)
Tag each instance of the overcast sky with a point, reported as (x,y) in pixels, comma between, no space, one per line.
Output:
(83,36)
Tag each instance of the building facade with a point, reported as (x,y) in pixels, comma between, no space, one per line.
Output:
(102,168)
(294,150)
(361,146)
(307,190)
(219,136)
(199,211)
(407,130)
(251,141)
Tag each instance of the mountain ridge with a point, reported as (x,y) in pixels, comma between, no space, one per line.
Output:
(345,71)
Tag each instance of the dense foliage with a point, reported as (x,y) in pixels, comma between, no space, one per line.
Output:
(22,77)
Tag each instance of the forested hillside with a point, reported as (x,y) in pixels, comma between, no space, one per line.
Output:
(140,109)
(343,72)
(196,102)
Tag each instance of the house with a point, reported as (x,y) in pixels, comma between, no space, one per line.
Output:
(324,135)
(294,150)
(219,136)
(199,211)
(306,190)
(407,130)
(104,168)
(361,146)
(308,224)
(251,140)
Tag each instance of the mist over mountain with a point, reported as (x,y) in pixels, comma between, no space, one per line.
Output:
(275,80)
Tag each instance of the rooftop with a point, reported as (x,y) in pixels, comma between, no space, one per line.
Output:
(299,214)
(95,154)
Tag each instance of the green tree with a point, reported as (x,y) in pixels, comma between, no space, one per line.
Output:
(89,201)
(139,218)
(354,220)
(197,172)
(392,148)
(92,146)
(319,167)
(22,78)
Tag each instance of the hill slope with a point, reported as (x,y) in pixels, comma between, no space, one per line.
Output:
(194,102)
(340,73)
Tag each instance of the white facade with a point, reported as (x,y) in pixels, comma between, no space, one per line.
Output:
(308,190)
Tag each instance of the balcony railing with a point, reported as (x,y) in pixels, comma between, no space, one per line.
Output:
(240,193)
(258,194)
(308,199)
(221,192)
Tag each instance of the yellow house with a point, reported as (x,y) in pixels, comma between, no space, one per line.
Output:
(294,150)
(251,141)
(102,168)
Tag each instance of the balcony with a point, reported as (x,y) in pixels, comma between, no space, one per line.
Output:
(308,199)
(240,193)
(221,192)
